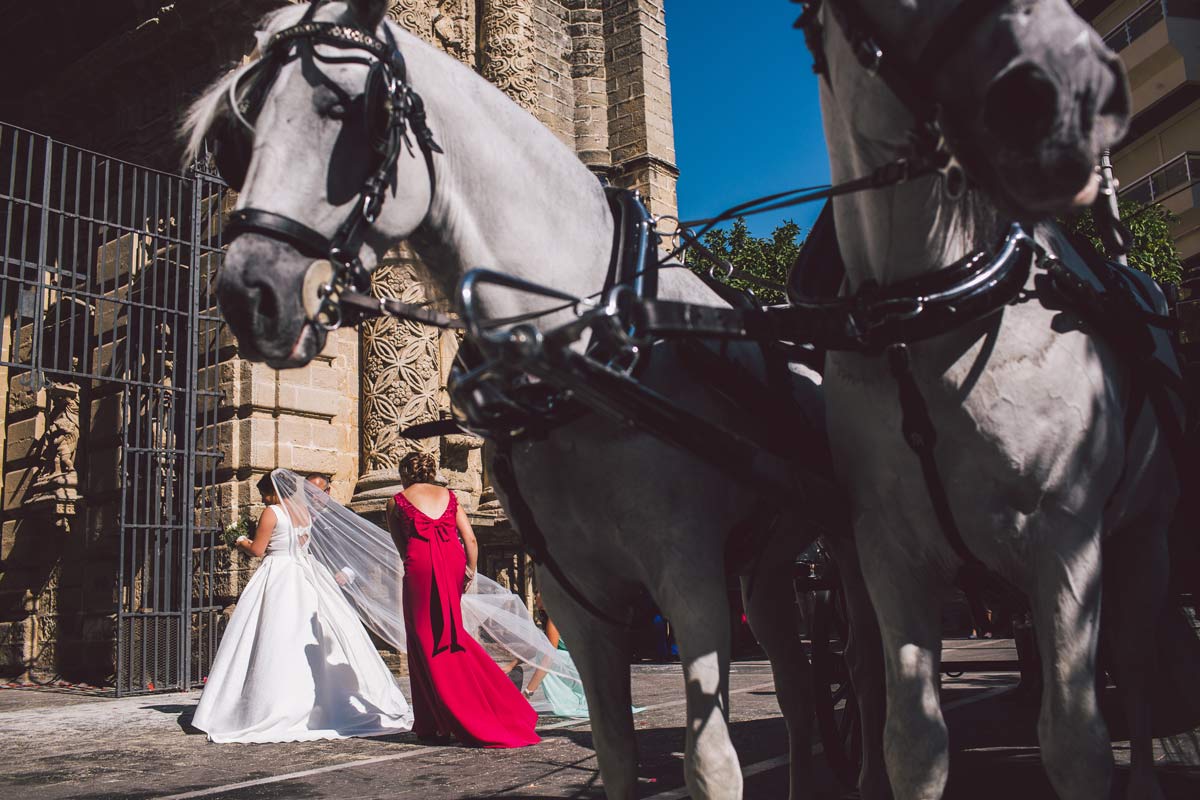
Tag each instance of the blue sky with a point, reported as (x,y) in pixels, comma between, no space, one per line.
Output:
(747,119)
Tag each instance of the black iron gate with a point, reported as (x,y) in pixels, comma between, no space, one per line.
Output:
(111,334)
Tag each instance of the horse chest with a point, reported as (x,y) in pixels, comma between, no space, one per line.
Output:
(1020,414)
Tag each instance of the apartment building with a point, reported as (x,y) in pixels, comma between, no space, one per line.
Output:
(1159,160)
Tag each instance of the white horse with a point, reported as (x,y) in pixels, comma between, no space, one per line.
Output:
(1041,468)
(620,509)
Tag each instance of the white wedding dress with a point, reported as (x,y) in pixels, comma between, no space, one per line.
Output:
(295,663)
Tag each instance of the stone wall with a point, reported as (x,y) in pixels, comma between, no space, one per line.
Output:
(593,71)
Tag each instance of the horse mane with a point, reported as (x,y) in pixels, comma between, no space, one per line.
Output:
(202,113)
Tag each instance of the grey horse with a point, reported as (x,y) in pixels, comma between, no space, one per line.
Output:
(620,509)
(1049,467)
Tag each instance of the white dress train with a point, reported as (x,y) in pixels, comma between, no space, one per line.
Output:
(295,663)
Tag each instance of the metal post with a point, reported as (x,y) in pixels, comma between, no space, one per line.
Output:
(1116,242)
(37,375)
(187,484)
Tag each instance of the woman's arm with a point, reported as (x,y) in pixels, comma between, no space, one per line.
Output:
(395,528)
(536,681)
(262,535)
(470,545)
(552,632)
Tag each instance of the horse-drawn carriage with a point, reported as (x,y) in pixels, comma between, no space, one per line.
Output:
(999,402)
(495,391)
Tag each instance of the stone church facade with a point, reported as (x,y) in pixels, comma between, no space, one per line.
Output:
(594,72)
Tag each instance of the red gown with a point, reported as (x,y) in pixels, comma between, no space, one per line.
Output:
(456,686)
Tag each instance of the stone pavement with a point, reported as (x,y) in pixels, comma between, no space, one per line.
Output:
(61,745)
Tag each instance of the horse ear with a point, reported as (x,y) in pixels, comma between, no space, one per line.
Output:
(370,13)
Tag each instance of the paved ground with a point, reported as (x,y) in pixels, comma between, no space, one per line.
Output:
(62,745)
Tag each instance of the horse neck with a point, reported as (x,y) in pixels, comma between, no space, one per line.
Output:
(904,231)
(891,235)
(508,195)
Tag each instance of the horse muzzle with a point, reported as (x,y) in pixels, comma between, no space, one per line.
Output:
(260,290)
(1044,125)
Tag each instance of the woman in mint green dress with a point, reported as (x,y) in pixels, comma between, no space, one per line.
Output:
(547,692)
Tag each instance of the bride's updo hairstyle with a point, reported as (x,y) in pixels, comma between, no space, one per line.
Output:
(266,488)
(417,467)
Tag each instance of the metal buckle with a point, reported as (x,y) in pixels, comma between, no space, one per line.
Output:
(329,313)
(863,322)
(909,308)
(615,327)
(728,267)
(371,206)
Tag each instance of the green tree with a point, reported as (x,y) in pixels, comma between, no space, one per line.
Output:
(768,258)
(1153,250)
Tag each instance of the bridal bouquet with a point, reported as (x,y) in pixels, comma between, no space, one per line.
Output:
(235,530)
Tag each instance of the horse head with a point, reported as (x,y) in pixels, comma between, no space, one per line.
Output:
(1024,92)
(315,132)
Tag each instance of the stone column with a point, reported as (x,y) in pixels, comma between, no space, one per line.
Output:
(585,24)
(506,49)
(641,132)
(400,377)
(461,453)
(401,371)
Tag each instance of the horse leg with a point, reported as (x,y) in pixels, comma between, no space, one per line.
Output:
(769,597)
(1134,595)
(1066,620)
(864,657)
(602,654)
(907,602)
(699,612)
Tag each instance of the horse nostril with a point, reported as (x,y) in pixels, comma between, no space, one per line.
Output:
(263,299)
(268,304)
(1021,106)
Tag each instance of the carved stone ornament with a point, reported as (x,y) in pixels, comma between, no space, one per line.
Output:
(446,24)
(415,16)
(454,29)
(57,482)
(399,381)
(507,48)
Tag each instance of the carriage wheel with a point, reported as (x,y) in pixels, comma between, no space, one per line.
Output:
(833,695)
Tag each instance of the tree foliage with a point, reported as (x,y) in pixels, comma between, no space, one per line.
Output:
(1153,249)
(768,258)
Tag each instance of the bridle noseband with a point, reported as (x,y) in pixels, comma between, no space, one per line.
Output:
(390,107)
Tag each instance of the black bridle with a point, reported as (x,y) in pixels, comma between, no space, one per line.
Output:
(390,108)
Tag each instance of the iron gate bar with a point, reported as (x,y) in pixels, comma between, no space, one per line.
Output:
(37,379)
(130,322)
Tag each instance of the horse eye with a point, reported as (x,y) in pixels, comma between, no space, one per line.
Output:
(336,111)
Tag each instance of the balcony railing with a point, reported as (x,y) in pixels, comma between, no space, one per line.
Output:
(1146,17)
(1179,172)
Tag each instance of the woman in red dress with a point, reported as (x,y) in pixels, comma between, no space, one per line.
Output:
(457,689)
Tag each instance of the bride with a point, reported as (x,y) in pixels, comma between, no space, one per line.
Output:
(295,663)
